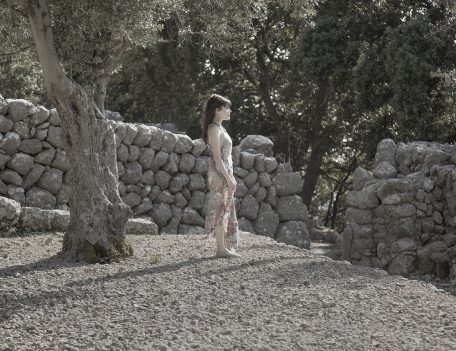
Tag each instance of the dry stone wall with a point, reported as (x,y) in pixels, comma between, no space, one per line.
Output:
(402,218)
(162,175)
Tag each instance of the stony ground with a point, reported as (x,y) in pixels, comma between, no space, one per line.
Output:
(173,296)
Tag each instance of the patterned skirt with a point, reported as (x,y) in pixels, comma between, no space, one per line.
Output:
(221,209)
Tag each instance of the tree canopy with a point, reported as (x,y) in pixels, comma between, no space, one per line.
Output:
(325,81)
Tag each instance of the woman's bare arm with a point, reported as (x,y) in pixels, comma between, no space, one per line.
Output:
(213,138)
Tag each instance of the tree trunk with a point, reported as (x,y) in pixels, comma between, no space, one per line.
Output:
(319,143)
(98,215)
(319,149)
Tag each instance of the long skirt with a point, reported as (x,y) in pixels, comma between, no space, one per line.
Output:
(221,209)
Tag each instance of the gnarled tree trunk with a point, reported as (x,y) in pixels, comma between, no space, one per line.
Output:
(98,215)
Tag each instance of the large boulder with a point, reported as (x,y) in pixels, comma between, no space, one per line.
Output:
(162,179)
(10,143)
(394,186)
(386,152)
(385,170)
(267,221)
(160,159)
(61,161)
(362,199)
(172,164)
(247,160)
(169,141)
(288,183)
(187,162)
(6,125)
(258,143)
(133,173)
(39,116)
(291,208)
(199,146)
(51,180)
(197,200)
(361,177)
(403,264)
(34,219)
(31,146)
(184,144)
(19,109)
(270,164)
(132,199)
(33,176)
(197,182)
(45,157)
(192,217)
(249,207)
(157,138)
(201,165)
(294,233)
(37,197)
(144,207)
(11,177)
(4,159)
(130,134)
(141,226)
(161,213)
(146,157)
(143,136)
(16,193)
(21,163)
(245,225)
(22,128)
(178,182)
(56,137)
(10,212)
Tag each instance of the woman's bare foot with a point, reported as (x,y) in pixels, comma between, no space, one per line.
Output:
(225,253)
(233,251)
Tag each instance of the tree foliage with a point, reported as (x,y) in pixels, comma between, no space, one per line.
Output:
(326,82)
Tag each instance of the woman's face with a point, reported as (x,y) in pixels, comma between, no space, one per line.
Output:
(223,113)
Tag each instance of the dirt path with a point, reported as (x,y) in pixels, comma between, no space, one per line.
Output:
(173,296)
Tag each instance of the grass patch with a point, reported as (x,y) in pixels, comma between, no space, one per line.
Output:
(154,258)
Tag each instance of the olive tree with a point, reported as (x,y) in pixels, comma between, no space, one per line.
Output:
(79,44)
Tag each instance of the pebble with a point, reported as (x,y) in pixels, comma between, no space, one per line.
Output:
(257,302)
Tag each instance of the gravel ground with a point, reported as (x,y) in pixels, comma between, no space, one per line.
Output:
(174,296)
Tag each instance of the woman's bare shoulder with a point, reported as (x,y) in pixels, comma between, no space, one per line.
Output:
(213,129)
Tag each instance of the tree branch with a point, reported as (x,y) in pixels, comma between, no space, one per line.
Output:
(40,22)
(250,78)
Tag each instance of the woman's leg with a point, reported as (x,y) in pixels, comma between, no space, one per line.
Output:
(222,251)
(232,235)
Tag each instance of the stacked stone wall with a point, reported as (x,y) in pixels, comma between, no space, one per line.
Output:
(162,175)
(402,218)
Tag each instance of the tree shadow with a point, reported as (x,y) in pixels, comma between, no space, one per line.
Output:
(46,264)
(157,269)
(290,275)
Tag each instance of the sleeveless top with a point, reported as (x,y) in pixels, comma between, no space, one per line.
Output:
(226,145)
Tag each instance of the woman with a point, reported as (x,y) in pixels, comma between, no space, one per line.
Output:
(221,221)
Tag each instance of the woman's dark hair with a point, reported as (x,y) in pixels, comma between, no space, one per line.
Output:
(212,103)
